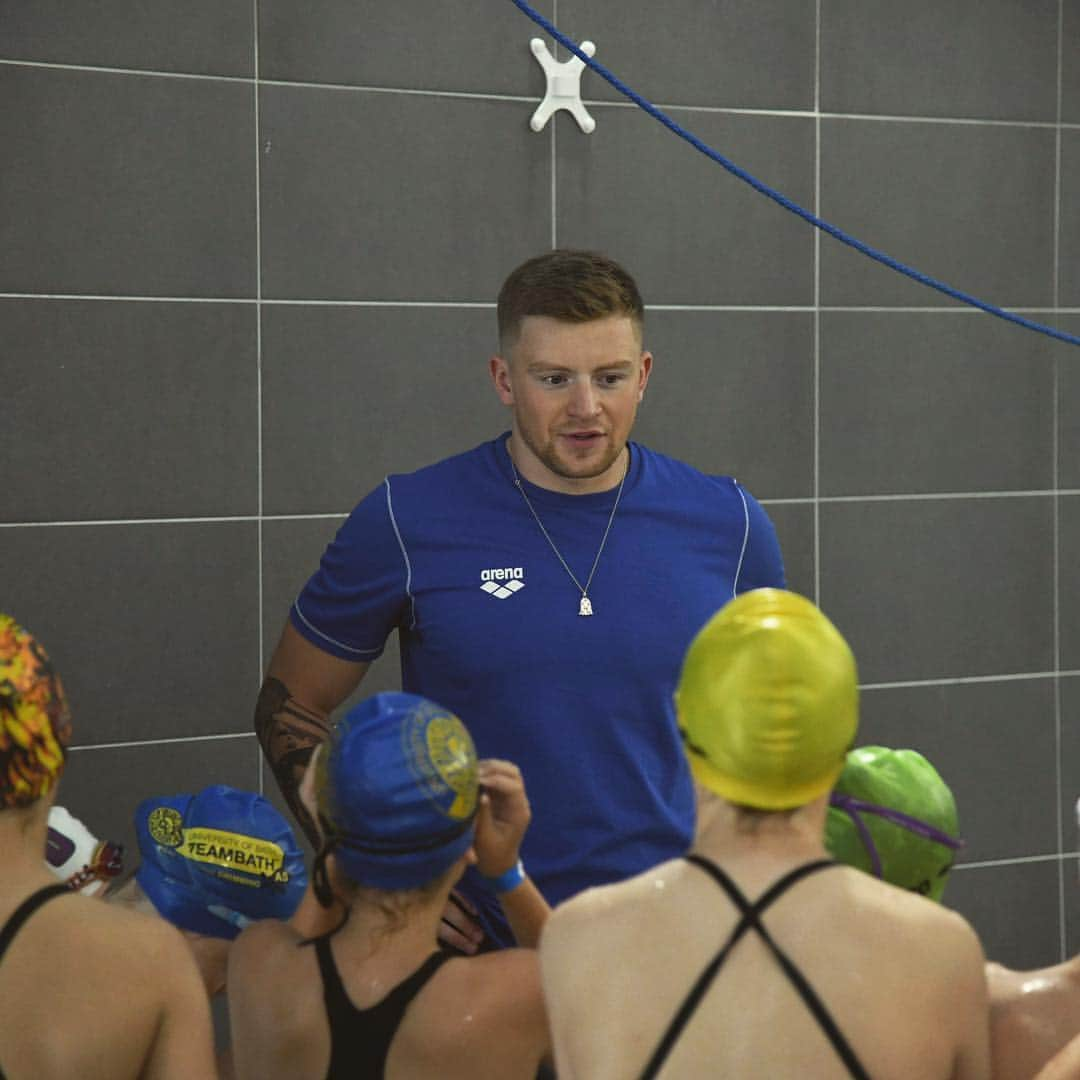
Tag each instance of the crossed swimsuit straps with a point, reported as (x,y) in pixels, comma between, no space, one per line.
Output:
(751,919)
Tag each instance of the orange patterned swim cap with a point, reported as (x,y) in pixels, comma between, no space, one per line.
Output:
(35,723)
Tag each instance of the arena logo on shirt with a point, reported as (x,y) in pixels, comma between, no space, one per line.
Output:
(502,581)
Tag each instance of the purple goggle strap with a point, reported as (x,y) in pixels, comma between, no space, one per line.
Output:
(852,807)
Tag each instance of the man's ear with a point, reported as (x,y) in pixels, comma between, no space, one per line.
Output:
(499,368)
(646,371)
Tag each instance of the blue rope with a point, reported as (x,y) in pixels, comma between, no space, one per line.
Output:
(783,200)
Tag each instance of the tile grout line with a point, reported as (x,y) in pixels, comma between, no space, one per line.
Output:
(1054,465)
(216,736)
(469,304)
(966,680)
(131,743)
(952,309)
(467,95)
(1017,860)
(258,366)
(554,158)
(225,519)
(817,306)
(932,496)
(232,735)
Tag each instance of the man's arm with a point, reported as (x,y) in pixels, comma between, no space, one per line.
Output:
(302,688)
(762,564)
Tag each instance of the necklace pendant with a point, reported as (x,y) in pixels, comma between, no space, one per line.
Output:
(586,606)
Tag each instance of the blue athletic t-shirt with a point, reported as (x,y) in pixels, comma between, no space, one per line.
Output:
(451,557)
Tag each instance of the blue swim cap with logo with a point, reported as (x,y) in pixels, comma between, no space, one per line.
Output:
(396,791)
(216,861)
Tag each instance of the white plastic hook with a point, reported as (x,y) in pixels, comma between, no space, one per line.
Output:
(563,86)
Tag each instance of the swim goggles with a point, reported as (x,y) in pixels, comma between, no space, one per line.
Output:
(854,808)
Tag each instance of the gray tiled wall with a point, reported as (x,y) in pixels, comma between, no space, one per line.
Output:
(247,265)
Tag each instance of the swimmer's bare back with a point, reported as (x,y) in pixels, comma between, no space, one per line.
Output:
(476,1017)
(900,976)
(100,993)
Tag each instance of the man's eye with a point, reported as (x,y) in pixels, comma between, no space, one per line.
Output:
(553,380)
(612,379)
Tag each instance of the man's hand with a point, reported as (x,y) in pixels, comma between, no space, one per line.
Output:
(503,817)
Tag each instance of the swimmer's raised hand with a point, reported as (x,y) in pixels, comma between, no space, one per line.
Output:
(503,817)
(501,822)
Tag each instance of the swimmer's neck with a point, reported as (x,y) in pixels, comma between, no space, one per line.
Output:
(726,832)
(23,833)
(407,937)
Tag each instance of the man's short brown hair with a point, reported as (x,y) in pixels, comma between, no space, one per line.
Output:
(574,286)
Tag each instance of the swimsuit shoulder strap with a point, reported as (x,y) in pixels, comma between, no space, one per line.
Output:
(750,917)
(333,990)
(397,1001)
(25,910)
(771,894)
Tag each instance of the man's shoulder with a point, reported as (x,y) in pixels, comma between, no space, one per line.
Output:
(672,475)
(449,481)
(455,469)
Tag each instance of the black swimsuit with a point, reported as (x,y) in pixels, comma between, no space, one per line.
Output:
(22,913)
(360,1038)
(751,919)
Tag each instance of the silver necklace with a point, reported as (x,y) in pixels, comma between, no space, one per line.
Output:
(585,607)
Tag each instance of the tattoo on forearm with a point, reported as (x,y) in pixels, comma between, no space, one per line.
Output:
(288,733)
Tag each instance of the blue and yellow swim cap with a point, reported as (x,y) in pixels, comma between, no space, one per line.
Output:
(397,792)
(216,861)
(768,701)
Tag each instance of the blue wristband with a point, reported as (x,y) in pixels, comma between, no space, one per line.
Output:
(506,881)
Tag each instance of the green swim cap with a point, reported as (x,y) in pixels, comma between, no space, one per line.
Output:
(879,788)
(767,703)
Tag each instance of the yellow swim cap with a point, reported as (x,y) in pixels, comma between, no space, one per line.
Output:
(768,701)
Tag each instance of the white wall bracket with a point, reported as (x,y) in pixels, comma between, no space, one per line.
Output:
(563,86)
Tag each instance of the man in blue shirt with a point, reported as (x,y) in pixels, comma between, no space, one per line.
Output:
(544,587)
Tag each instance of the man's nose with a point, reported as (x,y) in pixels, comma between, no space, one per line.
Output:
(584,400)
